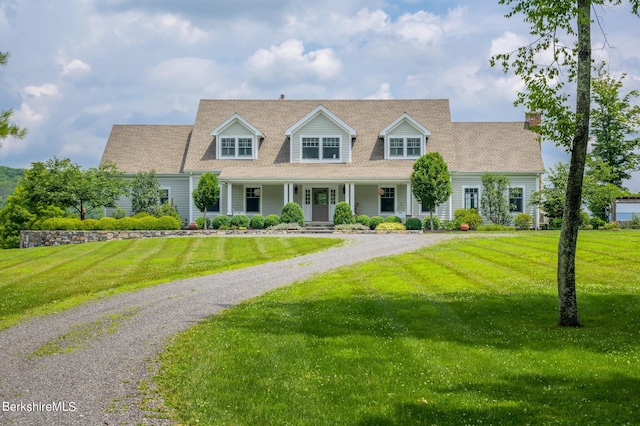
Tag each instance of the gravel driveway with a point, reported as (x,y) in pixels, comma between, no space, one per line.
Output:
(113,341)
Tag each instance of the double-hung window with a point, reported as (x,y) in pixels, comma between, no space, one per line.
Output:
(325,148)
(471,198)
(387,200)
(405,147)
(516,199)
(241,147)
(252,199)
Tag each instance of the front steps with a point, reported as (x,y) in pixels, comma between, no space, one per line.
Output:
(318,228)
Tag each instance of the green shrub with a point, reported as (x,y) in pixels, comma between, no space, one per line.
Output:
(147,223)
(426,223)
(393,219)
(257,222)
(495,227)
(168,223)
(240,221)
(375,221)
(200,222)
(140,215)
(107,224)
(611,225)
(127,223)
(343,214)
(634,222)
(390,226)
(468,216)
(220,221)
(584,220)
(119,213)
(271,220)
(167,209)
(555,223)
(414,224)
(523,221)
(597,223)
(61,223)
(292,213)
(450,225)
(363,219)
(89,224)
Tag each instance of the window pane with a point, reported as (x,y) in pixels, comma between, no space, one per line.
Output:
(311,148)
(471,198)
(245,147)
(228,146)
(413,147)
(164,196)
(330,148)
(387,200)
(253,199)
(215,207)
(516,201)
(396,147)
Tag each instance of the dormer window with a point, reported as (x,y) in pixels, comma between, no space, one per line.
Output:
(237,139)
(405,138)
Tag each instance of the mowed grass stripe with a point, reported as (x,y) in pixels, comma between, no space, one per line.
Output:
(47,279)
(432,337)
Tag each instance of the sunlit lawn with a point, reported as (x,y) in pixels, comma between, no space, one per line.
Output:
(459,333)
(45,279)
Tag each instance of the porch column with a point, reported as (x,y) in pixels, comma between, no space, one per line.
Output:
(352,196)
(286,193)
(409,211)
(190,198)
(229,199)
(451,206)
(291,192)
(347,194)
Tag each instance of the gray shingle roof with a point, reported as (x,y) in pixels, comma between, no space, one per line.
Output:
(466,147)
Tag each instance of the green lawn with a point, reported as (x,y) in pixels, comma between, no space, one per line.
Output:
(47,279)
(459,333)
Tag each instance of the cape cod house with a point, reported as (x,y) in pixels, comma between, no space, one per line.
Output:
(320,152)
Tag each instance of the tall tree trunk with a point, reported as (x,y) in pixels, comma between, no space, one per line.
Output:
(567,300)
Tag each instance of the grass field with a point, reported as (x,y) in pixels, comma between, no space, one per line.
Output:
(459,333)
(47,279)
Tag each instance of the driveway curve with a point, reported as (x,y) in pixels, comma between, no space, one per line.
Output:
(112,342)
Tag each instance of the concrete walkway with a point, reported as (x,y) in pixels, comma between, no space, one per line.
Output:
(98,383)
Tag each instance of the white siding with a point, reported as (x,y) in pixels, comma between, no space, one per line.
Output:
(320,126)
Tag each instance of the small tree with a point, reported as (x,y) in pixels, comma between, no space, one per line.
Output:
(494,203)
(145,192)
(342,214)
(206,193)
(292,213)
(431,181)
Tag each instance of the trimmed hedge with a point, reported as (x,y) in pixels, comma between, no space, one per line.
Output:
(292,213)
(257,222)
(393,219)
(240,221)
(221,221)
(109,224)
(426,223)
(363,219)
(375,221)
(414,224)
(271,220)
(390,226)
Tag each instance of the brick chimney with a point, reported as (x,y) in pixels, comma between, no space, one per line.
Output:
(533,120)
(282,97)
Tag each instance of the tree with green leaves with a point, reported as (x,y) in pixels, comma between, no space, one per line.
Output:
(64,184)
(548,85)
(598,190)
(614,121)
(431,182)
(145,193)
(494,203)
(6,127)
(554,187)
(206,193)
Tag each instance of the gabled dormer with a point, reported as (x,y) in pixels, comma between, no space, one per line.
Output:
(404,139)
(320,137)
(237,139)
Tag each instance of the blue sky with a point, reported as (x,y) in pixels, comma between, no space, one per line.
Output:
(78,67)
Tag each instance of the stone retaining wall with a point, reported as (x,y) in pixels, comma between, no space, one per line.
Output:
(58,238)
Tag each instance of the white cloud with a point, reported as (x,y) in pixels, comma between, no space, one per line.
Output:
(181,27)
(384,92)
(75,67)
(289,61)
(423,27)
(183,73)
(506,43)
(48,89)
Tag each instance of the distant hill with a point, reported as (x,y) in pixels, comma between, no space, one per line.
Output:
(8,179)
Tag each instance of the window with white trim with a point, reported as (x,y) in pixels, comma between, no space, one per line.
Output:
(240,147)
(516,199)
(471,198)
(409,147)
(321,148)
(252,200)
(387,200)
(165,195)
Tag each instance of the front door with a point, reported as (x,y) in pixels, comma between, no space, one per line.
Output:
(320,211)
